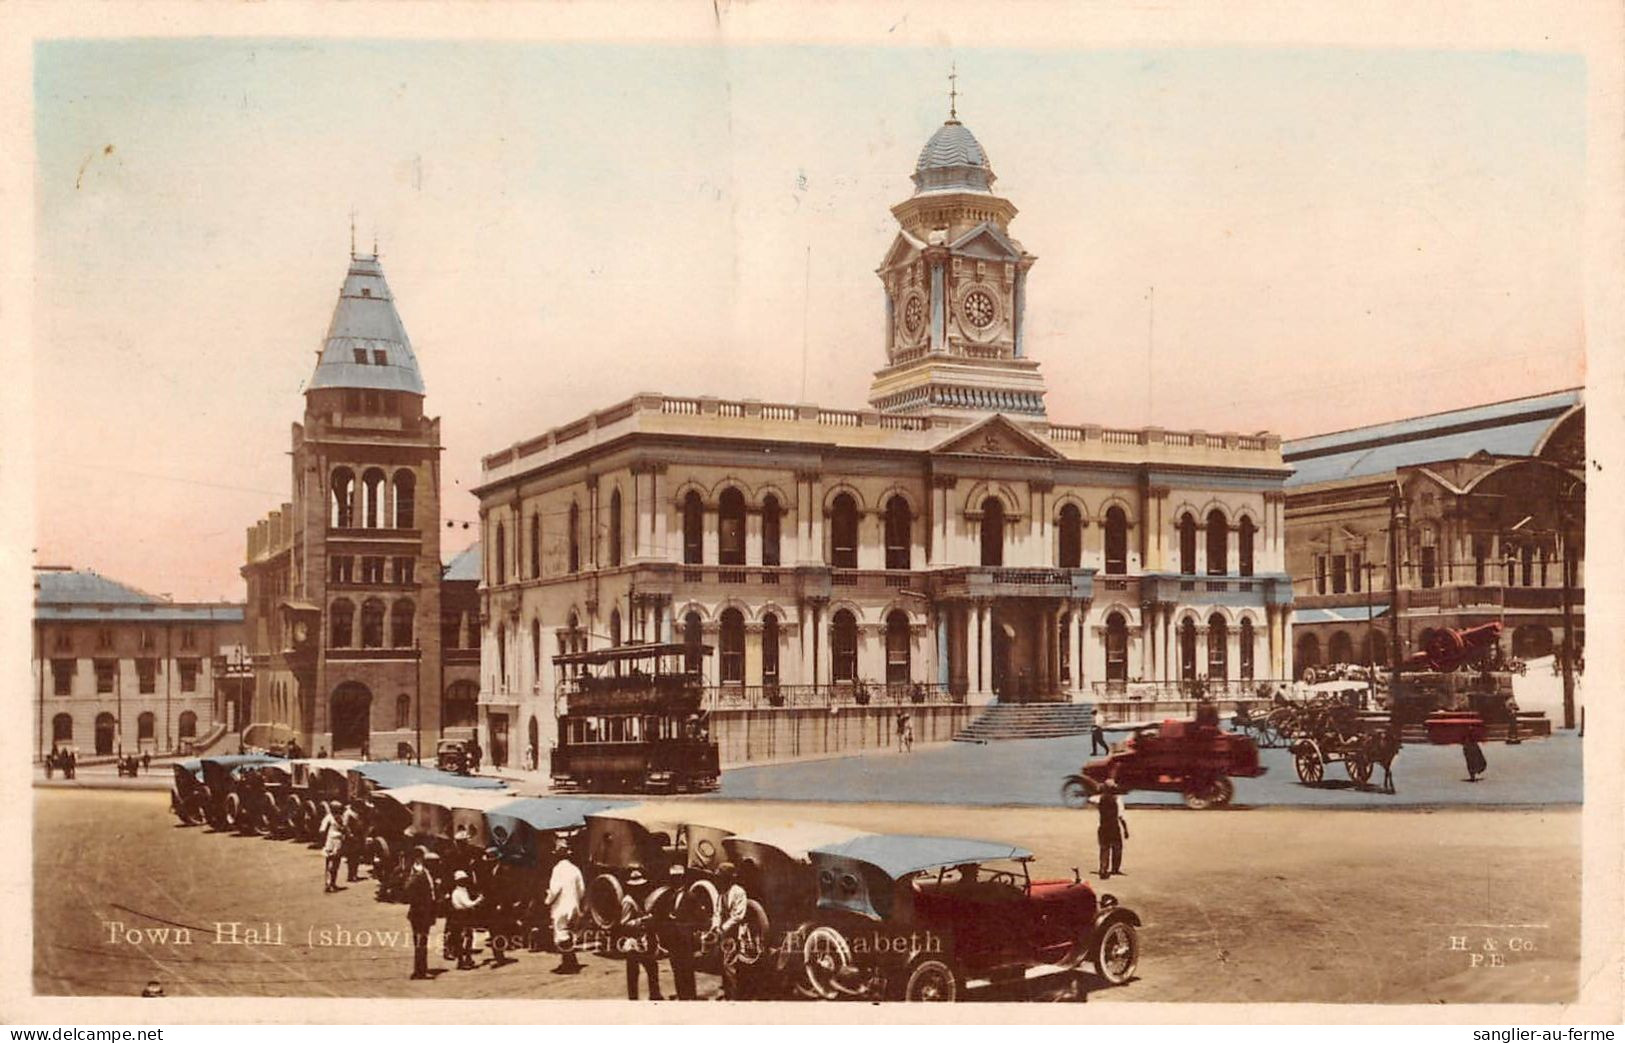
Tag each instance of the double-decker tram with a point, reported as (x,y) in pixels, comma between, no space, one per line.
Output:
(632,719)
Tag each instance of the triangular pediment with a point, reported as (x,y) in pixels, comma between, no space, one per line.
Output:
(903,250)
(998,435)
(987,242)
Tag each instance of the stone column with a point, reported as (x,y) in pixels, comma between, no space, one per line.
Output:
(660,510)
(753,653)
(943,671)
(753,536)
(984,651)
(592,523)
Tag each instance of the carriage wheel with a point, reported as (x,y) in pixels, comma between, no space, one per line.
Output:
(1359,768)
(1075,792)
(932,981)
(825,954)
(1307,761)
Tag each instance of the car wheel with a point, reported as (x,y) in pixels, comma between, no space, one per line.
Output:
(1224,791)
(1117,952)
(753,935)
(604,897)
(234,811)
(1075,792)
(932,981)
(825,955)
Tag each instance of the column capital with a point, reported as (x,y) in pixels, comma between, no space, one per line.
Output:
(1041,485)
(808,474)
(648,467)
(944,481)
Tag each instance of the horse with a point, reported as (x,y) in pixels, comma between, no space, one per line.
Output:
(1381,747)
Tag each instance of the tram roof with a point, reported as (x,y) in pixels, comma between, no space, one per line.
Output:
(624,653)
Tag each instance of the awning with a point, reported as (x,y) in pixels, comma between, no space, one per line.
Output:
(1346,614)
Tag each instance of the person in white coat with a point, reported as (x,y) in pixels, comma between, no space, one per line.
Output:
(565,891)
(332,832)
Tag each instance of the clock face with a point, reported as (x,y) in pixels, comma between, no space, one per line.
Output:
(913,315)
(979,309)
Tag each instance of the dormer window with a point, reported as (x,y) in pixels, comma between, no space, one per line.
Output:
(361,356)
(366,291)
(380,357)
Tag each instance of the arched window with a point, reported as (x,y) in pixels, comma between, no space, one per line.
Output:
(1376,647)
(899,533)
(1308,653)
(372,498)
(536,648)
(1430,557)
(770,650)
(405,499)
(1116,541)
(62,728)
(897,648)
(1528,555)
(843,532)
(693,529)
(500,558)
(731,527)
(1218,543)
(536,545)
(1244,648)
(844,646)
(1187,545)
(341,499)
(1218,652)
(1070,535)
(1246,532)
(992,531)
(372,623)
(187,725)
(1341,649)
(106,726)
(1187,649)
(731,646)
(770,530)
(1481,556)
(502,656)
(693,658)
(473,630)
(341,617)
(145,726)
(615,528)
(614,628)
(461,706)
(400,624)
(1116,647)
(403,712)
(575,536)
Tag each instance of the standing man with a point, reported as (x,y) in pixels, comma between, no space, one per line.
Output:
(565,890)
(460,922)
(1474,754)
(1112,831)
(1097,740)
(420,905)
(146,761)
(355,842)
(637,937)
(730,918)
(332,832)
(474,753)
(675,933)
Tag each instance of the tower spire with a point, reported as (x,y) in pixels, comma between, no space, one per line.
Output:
(953,93)
(352,233)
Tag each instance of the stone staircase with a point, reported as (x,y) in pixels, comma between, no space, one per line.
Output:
(1028,721)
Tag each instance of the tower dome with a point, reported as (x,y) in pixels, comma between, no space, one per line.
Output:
(953,161)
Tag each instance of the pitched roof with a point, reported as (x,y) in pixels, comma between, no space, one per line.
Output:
(1511,428)
(465,566)
(366,344)
(80,594)
(82,586)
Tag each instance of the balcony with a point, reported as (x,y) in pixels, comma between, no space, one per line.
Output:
(826,696)
(996,582)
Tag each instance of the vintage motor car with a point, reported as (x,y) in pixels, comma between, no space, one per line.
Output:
(454,756)
(1193,758)
(368,777)
(648,837)
(920,918)
(202,787)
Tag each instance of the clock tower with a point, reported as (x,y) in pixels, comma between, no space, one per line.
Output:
(955,284)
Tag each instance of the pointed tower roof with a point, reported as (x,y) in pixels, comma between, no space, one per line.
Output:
(366,344)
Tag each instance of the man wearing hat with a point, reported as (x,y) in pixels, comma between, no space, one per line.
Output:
(420,907)
(565,890)
(460,922)
(675,934)
(637,940)
(1112,831)
(730,918)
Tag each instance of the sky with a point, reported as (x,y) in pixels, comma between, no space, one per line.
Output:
(1237,239)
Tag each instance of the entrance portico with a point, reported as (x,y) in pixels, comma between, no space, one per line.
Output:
(1012,635)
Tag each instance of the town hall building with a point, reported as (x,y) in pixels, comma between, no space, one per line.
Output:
(949,546)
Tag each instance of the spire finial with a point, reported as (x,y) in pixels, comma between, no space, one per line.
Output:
(953,91)
(352,233)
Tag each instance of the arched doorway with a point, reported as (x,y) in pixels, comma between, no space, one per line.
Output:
(534,734)
(992,533)
(62,730)
(1116,648)
(460,706)
(1187,649)
(1341,649)
(1308,653)
(351,717)
(104,734)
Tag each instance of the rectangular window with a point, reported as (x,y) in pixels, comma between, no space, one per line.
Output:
(1430,577)
(104,639)
(189,670)
(188,638)
(361,356)
(372,570)
(405,570)
(1354,571)
(379,358)
(62,641)
(1320,573)
(1340,573)
(341,568)
(106,674)
(62,675)
(146,672)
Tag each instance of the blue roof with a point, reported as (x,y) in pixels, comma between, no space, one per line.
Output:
(549,813)
(953,160)
(74,587)
(465,567)
(366,344)
(1345,614)
(1512,428)
(898,856)
(395,774)
(238,760)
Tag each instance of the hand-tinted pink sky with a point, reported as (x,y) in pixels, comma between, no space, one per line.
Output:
(1335,237)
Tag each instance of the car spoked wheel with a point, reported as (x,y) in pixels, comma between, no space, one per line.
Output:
(825,958)
(931,981)
(1117,953)
(1075,792)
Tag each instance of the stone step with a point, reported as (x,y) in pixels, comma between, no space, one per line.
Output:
(1003,721)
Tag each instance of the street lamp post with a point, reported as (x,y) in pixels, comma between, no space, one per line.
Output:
(1566,518)
(1396,518)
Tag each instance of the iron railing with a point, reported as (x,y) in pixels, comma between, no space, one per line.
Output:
(796,696)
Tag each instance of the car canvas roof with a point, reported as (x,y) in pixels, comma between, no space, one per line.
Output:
(551,813)
(648,813)
(898,856)
(797,839)
(448,797)
(391,774)
(237,760)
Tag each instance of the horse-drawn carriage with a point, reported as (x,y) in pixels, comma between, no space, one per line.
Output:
(1195,758)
